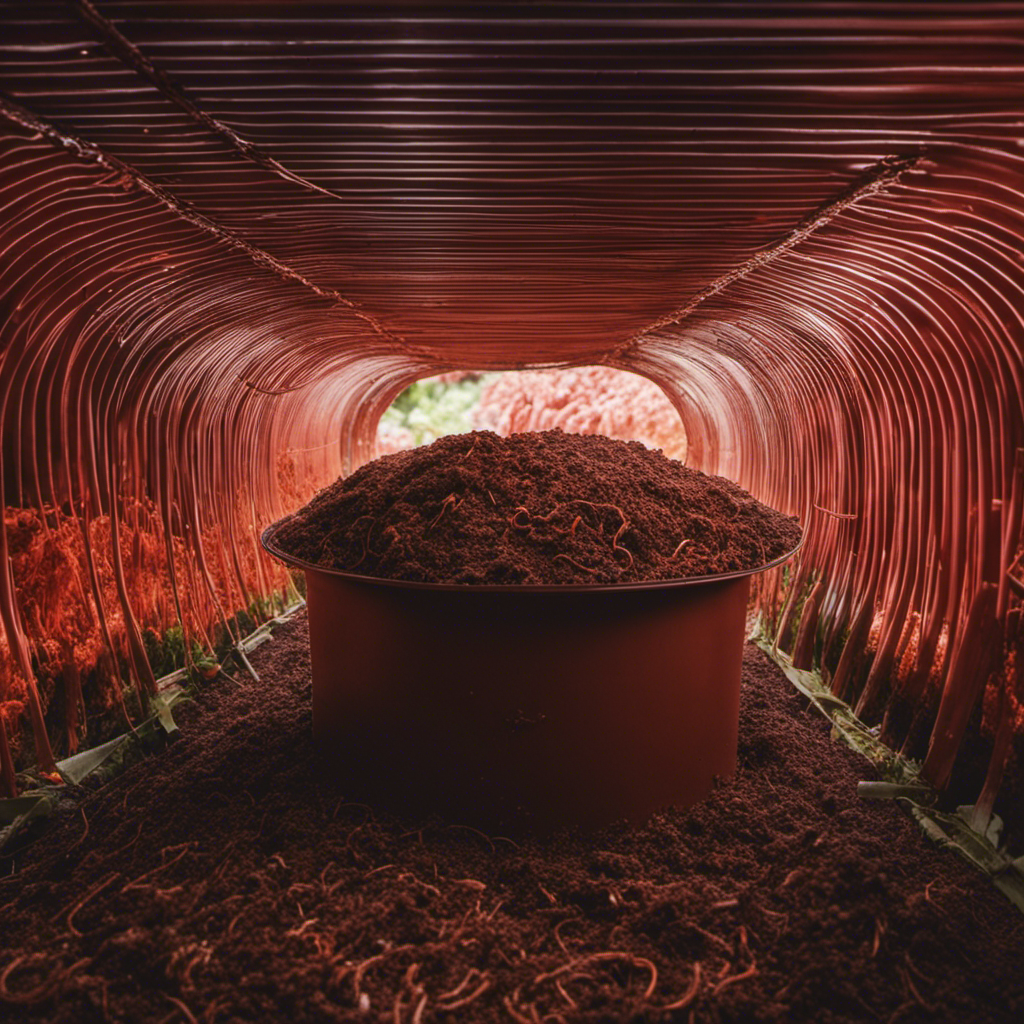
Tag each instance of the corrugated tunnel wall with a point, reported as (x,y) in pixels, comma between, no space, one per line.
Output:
(232,234)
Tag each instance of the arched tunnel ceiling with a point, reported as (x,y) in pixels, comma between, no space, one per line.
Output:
(524,181)
(232,232)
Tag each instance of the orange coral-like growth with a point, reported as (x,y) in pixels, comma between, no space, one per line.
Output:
(74,622)
(583,400)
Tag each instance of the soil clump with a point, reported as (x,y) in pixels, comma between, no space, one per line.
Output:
(535,509)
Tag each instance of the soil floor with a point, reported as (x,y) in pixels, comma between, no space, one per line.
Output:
(226,879)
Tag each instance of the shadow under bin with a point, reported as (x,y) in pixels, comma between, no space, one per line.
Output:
(525,707)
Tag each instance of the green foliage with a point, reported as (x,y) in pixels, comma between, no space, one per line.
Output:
(432,408)
(243,622)
(166,653)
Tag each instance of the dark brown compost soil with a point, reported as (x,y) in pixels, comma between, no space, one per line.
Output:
(227,879)
(536,508)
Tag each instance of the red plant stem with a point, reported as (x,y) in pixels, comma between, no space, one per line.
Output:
(140,663)
(975,654)
(982,814)
(1011,510)
(852,652)
(803,647)
(19,645)
(7,776)
(9,615)
(796,585)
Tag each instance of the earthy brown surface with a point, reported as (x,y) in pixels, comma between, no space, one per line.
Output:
(535,508)
(227,879)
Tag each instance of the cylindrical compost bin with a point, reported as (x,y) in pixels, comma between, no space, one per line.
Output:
(526,706)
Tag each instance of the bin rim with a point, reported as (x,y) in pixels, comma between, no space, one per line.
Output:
(267,540)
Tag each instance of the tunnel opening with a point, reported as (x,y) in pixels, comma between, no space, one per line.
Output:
(589,400)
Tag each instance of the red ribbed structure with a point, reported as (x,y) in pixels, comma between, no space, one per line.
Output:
(233,233)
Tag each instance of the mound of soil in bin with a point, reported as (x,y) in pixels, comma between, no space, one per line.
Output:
(228,879)
(535,508)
